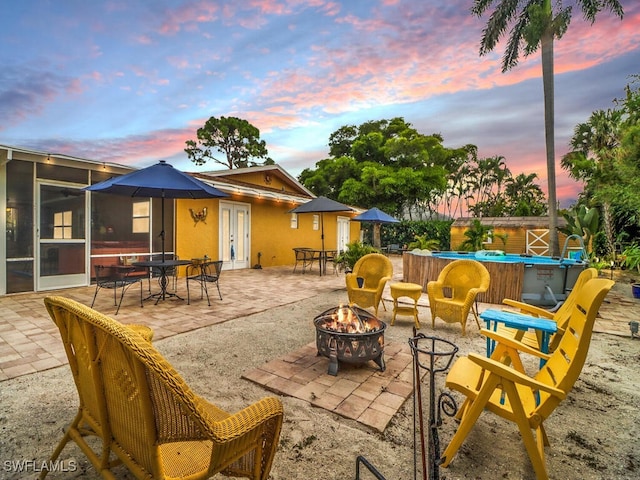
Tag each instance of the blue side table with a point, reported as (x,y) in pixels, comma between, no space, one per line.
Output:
(520,322)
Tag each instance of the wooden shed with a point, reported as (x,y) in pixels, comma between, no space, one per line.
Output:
(524,235)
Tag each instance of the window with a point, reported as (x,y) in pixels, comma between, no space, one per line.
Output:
(140,222)
(316,222)
(294,220)
(62,223)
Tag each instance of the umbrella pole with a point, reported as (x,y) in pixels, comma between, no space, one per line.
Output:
(376,234)
(322,238)
(162,223)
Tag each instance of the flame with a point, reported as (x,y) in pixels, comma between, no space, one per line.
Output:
(344,320)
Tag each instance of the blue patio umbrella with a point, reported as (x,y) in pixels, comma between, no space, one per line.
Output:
(320,205)
(377,217)
(158,181)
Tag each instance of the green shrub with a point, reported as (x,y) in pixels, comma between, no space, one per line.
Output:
(405,232)
(632,257)
(353,253)
(424,243)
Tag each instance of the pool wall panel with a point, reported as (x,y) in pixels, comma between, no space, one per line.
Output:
(506,278)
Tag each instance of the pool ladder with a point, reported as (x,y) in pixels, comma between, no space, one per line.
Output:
(583,250)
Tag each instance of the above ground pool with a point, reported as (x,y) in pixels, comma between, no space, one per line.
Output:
(538,280)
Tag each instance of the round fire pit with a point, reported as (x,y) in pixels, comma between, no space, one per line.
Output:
(350,334)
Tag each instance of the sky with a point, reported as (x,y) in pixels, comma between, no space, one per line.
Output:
(130,81)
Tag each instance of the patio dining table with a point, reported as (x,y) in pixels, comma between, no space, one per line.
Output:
(163,266)
(310,255)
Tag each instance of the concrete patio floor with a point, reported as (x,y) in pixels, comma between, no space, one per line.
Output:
(30,342)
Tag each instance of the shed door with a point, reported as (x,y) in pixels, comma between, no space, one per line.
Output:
(538,241)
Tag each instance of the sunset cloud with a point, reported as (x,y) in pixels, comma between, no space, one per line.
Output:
(130,82)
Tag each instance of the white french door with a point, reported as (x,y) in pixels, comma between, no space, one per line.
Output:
(344,233)
(235,235)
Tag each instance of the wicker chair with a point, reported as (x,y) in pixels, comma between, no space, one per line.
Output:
(454,294)
(145,415)
(373,270)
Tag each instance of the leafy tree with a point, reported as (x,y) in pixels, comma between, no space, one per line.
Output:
(235,138)
(582,221)
(384,163)
(606,157)
(524,197)
(593,159)
(496,193)
(457,196)
(534,24)
(390,165)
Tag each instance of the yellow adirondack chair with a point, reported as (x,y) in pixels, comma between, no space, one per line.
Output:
(145,415)
(375,270)
(453,295)
(561,316)
(527,401)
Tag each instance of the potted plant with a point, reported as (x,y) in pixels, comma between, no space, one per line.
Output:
(632,261)
(352,254)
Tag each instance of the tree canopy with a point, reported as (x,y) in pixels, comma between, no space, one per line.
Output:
(235,138)
(390,165)
(384,163)
(605,156)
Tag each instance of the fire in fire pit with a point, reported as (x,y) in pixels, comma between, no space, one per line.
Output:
(350,334)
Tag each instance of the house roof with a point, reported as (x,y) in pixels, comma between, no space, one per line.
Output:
(274,170)
(7,152)
(238,180)
(242,180)
(509,222)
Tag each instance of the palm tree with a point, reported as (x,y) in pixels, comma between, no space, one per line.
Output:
(476,236)
(536,23)
(593,161)
(524,196)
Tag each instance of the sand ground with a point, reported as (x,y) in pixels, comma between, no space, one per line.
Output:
(594,433)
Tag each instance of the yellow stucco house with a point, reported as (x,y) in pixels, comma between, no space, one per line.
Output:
(254,226)
(56,232)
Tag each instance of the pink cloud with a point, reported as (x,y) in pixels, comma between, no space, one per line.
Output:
(180,63)
(143,39)
(420,66)
(269,7)
(187,14)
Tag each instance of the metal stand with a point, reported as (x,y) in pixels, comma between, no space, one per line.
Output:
(438,355)
(163,281)
(361,460)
